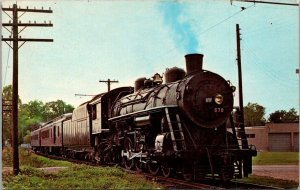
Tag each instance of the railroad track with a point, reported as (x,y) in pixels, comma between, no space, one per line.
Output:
(176,183)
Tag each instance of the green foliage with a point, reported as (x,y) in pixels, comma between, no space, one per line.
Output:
(31,114)
(282,116)
(275,158)
(269,181)
(75,176)
(7,156)
(56,108)
(254,115)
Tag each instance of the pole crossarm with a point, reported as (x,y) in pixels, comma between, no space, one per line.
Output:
(30,24)
(108,82)
(28,10)
(28,40)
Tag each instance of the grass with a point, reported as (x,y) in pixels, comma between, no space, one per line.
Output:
(77,177)
(74,176)
(276,158)
(28,159)
(269,181)
(273,158)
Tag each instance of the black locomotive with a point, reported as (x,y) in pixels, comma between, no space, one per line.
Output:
(183,126)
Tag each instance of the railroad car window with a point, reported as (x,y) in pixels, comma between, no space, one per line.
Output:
(58,131)
(94,112)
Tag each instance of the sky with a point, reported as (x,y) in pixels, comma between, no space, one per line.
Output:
(125,40)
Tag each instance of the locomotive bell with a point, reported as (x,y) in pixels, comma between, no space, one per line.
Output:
(157,79)
(194,62)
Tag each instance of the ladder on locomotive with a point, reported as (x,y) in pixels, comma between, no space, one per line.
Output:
(175,129)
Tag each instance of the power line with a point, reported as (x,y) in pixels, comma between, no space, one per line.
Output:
(208,29)
(7,64)
(268,2)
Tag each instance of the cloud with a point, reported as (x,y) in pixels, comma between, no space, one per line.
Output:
(180,26)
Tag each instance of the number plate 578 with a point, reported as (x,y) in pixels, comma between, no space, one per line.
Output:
(219,110)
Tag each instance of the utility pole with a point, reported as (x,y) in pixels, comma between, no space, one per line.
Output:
(239,64)
(15,39)
(247,164)
(241,104)
(108,81)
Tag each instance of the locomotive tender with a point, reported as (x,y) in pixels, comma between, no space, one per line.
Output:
(183,126)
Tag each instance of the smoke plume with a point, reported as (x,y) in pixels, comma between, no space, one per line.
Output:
(179,25)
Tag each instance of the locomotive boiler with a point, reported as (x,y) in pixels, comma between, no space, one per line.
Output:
(182,126)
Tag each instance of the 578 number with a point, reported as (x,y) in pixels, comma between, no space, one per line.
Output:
(219,110)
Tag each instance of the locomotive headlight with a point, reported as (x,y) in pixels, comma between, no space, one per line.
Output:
(219,99)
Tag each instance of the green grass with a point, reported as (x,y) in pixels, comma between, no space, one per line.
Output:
(269,181)
(275,158)
(74,176)
(29,159)
(77,177)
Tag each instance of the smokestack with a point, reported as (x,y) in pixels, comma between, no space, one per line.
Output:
(193,62)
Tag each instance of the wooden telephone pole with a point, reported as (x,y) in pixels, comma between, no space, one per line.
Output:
(15,39)
(241,104)
(108,81)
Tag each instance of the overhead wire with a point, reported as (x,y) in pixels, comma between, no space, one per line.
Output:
(7,60)
(265,70)
(210,28)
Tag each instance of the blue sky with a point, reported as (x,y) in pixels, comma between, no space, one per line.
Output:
(125,40)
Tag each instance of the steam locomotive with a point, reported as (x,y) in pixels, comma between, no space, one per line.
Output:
(186,125)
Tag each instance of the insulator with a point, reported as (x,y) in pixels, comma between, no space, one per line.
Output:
(10,21)
(42,8)
(27,7)
(34,22)
(49,8)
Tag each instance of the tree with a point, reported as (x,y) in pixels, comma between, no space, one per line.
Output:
(56,108)
(31,114)
(254,115)
(282,116)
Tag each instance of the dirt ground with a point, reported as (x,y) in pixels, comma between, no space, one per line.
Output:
(286,172)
